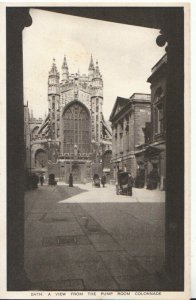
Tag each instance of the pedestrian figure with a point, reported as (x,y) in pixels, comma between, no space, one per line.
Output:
(70,180)
(34,180)
(41,179)
(130,185)
(103,180)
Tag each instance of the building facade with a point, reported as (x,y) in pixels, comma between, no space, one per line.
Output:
(74,134)
(128,119)
(151,156)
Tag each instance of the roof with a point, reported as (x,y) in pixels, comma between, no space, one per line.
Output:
(106,126)
(141,96)
(121,102)
(44,124)
(158,66)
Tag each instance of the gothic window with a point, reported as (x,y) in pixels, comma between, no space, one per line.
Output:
(77,129)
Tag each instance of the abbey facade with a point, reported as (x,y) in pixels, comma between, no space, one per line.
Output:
(74,136)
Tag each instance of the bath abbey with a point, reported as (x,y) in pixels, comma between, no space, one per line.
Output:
(74,136)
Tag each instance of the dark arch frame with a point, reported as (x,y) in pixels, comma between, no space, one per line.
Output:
(170,20)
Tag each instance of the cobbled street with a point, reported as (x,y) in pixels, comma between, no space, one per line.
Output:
(88,238)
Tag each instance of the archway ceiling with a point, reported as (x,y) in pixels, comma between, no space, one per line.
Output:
(151,17)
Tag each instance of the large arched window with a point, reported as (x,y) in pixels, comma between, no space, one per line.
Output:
(76,128)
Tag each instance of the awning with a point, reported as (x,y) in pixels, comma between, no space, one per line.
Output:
(159,145)
(107,170)
(106,142)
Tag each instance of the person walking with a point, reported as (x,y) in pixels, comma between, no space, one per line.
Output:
(130,185)
(103,180)
(70,180)
(41,179)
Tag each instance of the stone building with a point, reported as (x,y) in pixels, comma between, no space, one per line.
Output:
(151,156)
(128,117)
(74,134)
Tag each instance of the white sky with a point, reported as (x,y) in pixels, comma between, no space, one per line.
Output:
(125,53)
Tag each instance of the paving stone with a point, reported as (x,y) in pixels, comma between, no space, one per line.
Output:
(119,263)
(104,243)
(34,216)
(66,240)
(145,248)
(33,229)
(94,228)
(107,247)
(152,264)
(36,242)
(57,217)
(101,239)
(62,263)
(138,283)
(97,277)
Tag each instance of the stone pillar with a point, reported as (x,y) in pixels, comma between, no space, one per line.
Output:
(16,20)
(173,33)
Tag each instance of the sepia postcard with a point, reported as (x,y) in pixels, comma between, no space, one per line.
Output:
(96,186)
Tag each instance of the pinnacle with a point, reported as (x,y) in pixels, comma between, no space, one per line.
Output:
(91,65)
(53,70)
(97,67)
(64,65)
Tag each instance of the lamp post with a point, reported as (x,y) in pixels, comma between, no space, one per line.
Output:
(70,157)
(30,147)
(75,151)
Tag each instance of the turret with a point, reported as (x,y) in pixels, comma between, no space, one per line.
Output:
(91,68)
(53,80)
(97,102)
(97,82)
(65,70)
(54,100)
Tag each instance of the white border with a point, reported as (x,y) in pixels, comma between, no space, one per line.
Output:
(51,295)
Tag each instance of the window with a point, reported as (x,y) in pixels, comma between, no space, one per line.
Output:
(76,120)
(159,111)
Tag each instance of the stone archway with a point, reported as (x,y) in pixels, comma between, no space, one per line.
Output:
(41,158)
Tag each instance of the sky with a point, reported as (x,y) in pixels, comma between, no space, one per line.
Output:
(126,55)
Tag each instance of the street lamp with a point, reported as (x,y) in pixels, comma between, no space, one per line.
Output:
(30,147)
(75,151)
